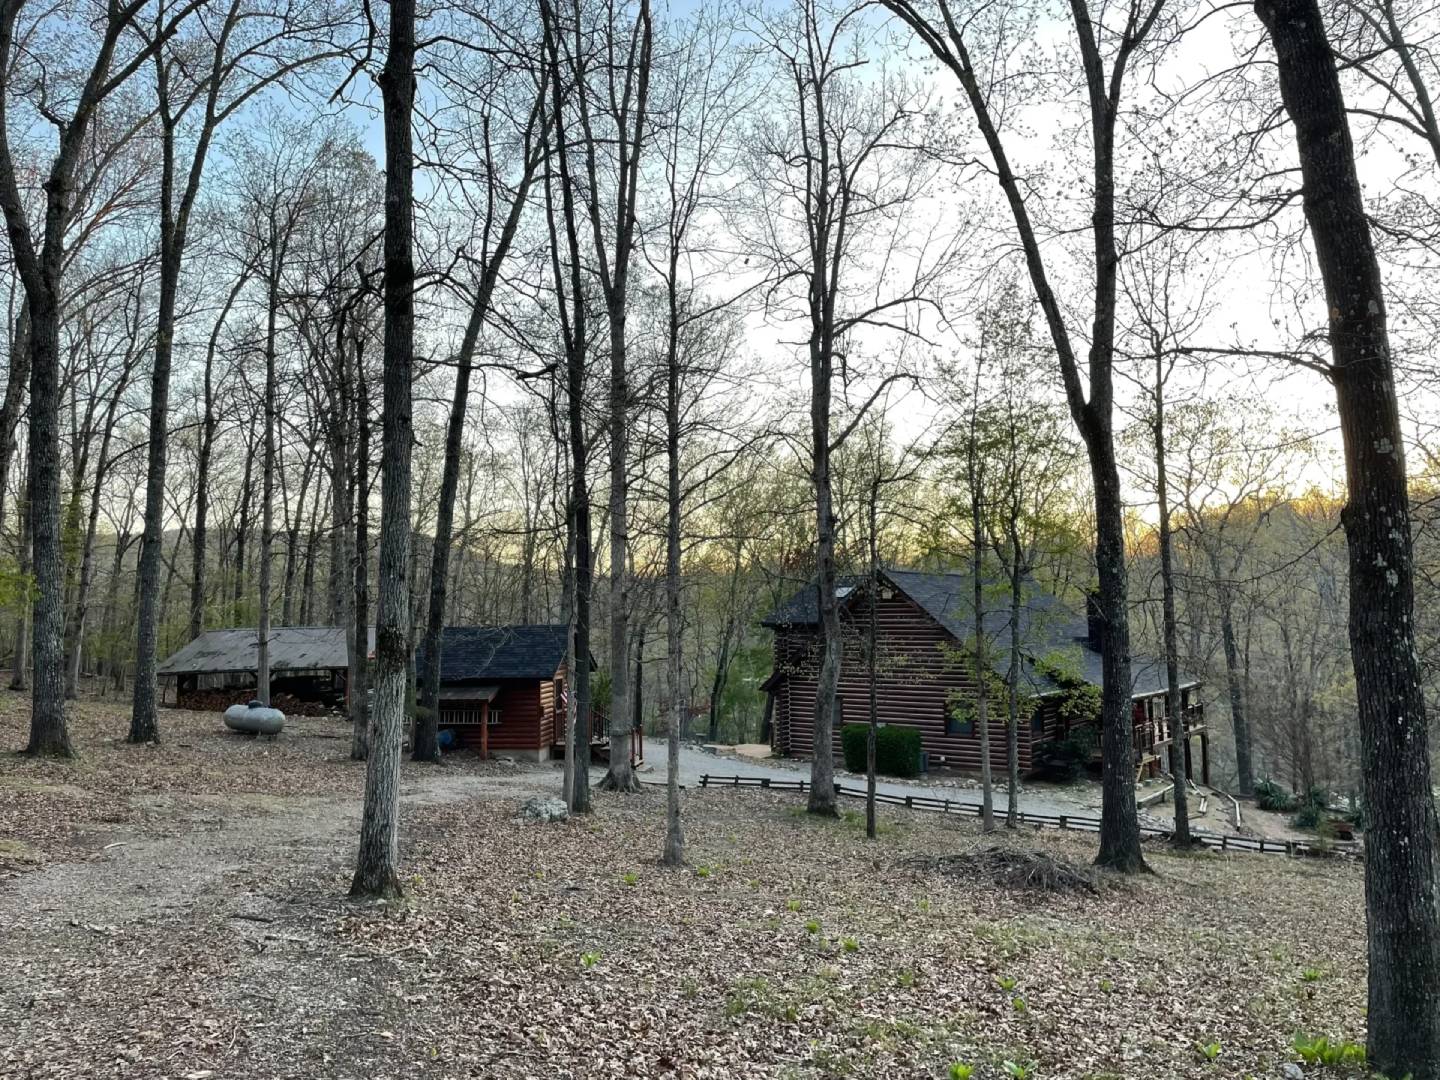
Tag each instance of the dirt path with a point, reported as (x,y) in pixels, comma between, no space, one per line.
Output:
(222,915)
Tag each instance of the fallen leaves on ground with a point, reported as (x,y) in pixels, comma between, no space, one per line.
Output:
(790,947)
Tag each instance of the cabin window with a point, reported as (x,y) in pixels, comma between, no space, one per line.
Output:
(1037,722)
(960,725)
(494,716)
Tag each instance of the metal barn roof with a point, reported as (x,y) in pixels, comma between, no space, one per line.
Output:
(469,654)
(292,648)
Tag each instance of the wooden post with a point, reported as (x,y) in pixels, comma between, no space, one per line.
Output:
(1205,758)
(485,730)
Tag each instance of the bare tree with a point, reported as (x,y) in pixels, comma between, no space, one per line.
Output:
(247,46)
(375,869)
(1400,866)
(40,266)
(621,98)
(949,35)
(499,223)
(834,181)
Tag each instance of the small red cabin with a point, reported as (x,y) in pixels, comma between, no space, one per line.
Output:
(502,688)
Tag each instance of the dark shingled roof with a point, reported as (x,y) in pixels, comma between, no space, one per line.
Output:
(1051,631)
(471,654)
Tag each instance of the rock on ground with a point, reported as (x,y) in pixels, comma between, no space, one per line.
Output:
(548,809)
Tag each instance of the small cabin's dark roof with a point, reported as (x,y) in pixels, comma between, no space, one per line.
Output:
(1052,633)
(470,654)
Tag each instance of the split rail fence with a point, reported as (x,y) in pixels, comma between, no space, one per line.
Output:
(1075,822)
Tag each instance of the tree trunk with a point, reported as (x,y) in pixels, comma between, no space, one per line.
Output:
(293,557)
(619,775)
(428,716)
(75,631)
(1119,821)
(1012,719)
(674,853)
(375,870)
(1119,824)
(16,382)
(1400,886)
(267,470)
(574,333)
(827,690)
(112,603)
(20,673)
(242,524)
(359,638)
(427,720)
(981,658)
(48,732)
(208,426)
(1235,685)
(1179,739)
(872,641)
(307,574)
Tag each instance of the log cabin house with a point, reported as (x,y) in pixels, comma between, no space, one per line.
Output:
(502,688)
(925,637)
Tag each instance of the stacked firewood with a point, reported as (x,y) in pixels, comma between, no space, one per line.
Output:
(221,698)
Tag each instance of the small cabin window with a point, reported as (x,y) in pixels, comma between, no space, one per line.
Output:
(1037,722)
(960,725)
(494,717)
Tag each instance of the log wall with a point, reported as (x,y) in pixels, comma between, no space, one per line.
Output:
(919,671)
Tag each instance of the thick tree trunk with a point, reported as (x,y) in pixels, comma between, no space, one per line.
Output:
(827,690)
(1119,821)
(41,270)
(872,644)
(48,732)
(1400,866)
(375,870)
(144,723)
